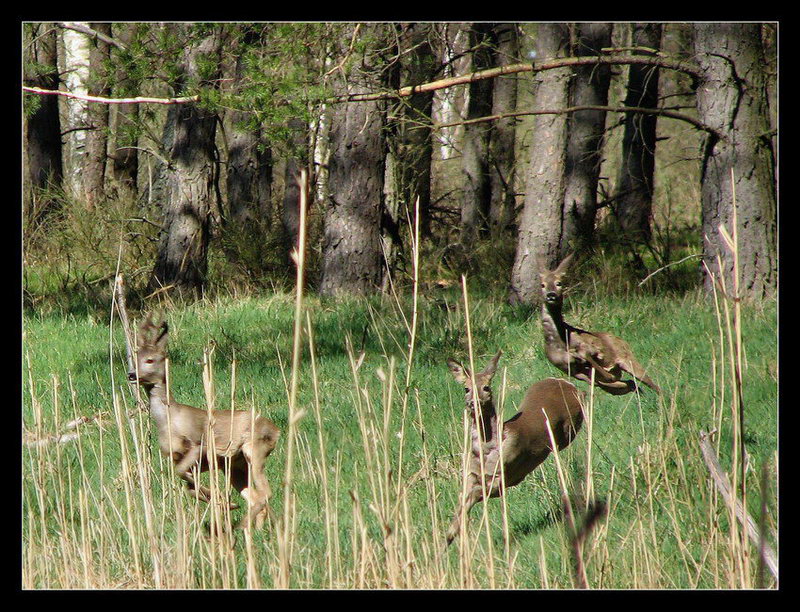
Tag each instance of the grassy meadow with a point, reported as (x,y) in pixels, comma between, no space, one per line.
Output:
(369,466)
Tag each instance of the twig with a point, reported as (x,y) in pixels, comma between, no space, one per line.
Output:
(766,551)
(674,263)
(119,291)
(595,511)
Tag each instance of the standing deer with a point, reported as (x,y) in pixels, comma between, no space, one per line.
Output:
(578,352)
(184,432)
(525,438)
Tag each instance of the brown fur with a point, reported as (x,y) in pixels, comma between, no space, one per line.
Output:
(578,352)
(184,432)
(525,437)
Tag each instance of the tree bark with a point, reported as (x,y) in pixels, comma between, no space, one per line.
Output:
(352,255)
(415,145)
(589,87)
(502,136)
(634,193)
(540,226)
(296,160)
(732,98)
(124,155)
(182,255)
(98,84)
(475,144)
(42,128)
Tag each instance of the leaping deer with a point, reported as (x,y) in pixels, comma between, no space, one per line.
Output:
(184,431)
(578,352)
(525,438)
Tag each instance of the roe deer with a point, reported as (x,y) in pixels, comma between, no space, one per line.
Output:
(525,439)
(577,352)
(184,431)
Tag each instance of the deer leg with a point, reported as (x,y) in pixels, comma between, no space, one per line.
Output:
(473,497)
(184,469)
(258,494)
(637,371)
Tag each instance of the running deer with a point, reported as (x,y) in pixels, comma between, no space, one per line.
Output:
(184,432)
(578,352)
(525,438)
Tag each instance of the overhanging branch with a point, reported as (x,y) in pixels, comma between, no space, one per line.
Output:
(572,109)
(87,98)
(659,62)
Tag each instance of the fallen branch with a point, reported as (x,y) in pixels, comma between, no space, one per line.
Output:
(674,263)
(766,551)
(88,98)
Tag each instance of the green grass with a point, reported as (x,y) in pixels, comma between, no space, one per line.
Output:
(375,486)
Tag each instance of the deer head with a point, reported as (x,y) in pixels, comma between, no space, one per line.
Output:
(552,289)
(151,352)
(483,381)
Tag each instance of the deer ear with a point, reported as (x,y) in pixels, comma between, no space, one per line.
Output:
(161,340)
(564,265)
(491,367)
(457,370)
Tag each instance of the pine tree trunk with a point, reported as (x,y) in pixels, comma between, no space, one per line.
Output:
(503,137)
(634,193)
(352,255)
(42,127)
(540,226)
(182,255)
(732,99)
(98,84)
(475,144)
(589,87)
(124,155)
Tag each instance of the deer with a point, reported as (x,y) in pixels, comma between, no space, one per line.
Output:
(184,432)
(578,352)
(525,437)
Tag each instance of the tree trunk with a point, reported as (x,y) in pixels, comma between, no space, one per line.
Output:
(540,226)
(296,161)
(125,135)
(352,254)
(503,137)
(98,84)
(589,87)
(634,193)
(75,69)
(475,144)
(42,129)
(415,145)
(732,99)
(182,254)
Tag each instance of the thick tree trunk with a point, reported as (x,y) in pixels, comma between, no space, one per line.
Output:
(125,135)
(249,172)
(589,87)
(475,144)
(182,255)
(732,99)
(42,129)
(634,193)
(540,226)
(98,84)
(352,254)
(502,138)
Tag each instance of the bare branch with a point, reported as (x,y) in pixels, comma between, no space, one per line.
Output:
(87,98)
(572,109)
(84,29)
(660,62)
